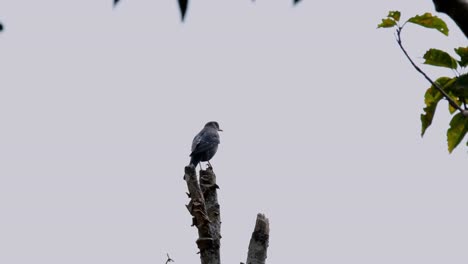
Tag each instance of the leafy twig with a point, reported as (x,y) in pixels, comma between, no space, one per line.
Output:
(449,99)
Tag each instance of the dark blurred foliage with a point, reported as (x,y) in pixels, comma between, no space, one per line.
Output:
(456,9)
(183,8)
(183,4)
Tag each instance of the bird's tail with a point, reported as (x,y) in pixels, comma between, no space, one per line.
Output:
(194,161)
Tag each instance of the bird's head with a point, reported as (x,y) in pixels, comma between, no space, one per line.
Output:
(213,124)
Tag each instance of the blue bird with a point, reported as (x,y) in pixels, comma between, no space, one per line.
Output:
(205,144)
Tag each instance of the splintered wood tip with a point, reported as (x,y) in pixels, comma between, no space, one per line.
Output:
(262,224)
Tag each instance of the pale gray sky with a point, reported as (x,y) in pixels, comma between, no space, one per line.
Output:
(320,110)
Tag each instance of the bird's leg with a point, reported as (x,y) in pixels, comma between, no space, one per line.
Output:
(209,164)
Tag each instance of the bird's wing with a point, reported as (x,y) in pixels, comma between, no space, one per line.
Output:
(196,141)
(203,142)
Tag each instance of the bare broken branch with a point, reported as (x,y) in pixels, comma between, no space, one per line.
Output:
(259,242)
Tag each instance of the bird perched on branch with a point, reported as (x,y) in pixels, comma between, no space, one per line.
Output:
(205,144)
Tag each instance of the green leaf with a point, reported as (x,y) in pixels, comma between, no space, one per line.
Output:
(457,131)
(457,101)
(395,15)
(387,23)
(463,53)
(439,58)
(431,99)
(460,86)
(429,21)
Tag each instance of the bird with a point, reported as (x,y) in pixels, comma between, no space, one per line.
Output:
(205,144)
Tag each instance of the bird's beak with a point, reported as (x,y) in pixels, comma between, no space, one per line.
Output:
(219,129)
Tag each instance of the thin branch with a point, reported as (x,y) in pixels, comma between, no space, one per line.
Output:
(169,259)
(450,100)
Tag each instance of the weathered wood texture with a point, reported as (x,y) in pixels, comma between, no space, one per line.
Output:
(204,208)
(209,189)
(457,10)
(259,242)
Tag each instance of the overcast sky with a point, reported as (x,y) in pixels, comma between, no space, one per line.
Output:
(320,112)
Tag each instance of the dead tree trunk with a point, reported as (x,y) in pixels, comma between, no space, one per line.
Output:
(204,208)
